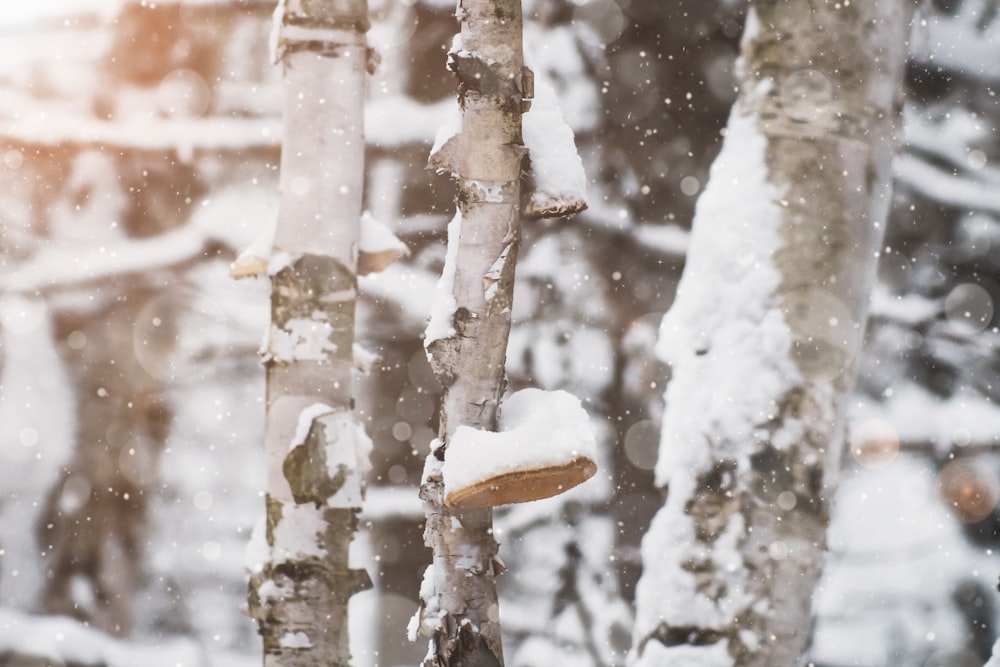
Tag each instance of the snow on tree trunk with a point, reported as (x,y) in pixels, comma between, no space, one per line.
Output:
(467,337)
(317,454)
(763,335)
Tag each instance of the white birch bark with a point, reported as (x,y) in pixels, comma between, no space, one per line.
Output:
(763,335)
(316,453)
(467,338)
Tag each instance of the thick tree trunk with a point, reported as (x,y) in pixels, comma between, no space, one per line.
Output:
(764,332)
(467,338)
(316,452)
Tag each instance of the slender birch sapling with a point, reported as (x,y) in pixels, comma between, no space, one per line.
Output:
(317,453)
(466,340)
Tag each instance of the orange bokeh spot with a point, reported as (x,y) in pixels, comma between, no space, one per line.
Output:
(874,443)
(970,487)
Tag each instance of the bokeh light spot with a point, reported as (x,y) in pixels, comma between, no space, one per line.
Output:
(641,444)
(874,443)
(13,159)
(184,93)
(970,488)
(970,307)
(599,22)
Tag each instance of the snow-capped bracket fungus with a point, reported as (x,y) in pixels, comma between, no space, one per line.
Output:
(545,447)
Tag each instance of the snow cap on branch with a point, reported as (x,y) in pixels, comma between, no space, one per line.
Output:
(558,185)
(378,246)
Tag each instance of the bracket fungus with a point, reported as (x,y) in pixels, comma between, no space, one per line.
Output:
(545,446)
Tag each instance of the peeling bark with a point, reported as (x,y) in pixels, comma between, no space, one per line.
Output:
(459,610)
(301,579)
(821,82)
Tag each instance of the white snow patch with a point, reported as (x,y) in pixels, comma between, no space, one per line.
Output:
(441,324)
(301,339)
(306,419)
(376,237)
(258,551)
(59,640)
(555,163)
(451,127)
(295,640)
(537,428)
(296,533)
(918,416)
(278,261)
(727,342)
(725,336)
(656,654)
(348,452)
(553,53)
(995,660)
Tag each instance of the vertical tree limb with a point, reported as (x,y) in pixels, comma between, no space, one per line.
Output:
(764,333)
(301,579)
(467,339)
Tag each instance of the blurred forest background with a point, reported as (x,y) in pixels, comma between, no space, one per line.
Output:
(139,145)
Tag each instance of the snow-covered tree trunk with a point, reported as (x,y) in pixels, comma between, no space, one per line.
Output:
(316,452)
(763,335)
(467,336)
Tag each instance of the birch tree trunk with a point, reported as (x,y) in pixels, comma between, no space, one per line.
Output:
(763,335)
(316,452)
(467,338)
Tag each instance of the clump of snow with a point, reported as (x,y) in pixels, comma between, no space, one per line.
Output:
(714,655)
(301,339)
(295,640)
(376,237)
(59,640)
(295,536)
(348,451)
(554,55)
(441,324)
(537,429)
(279,261)
(728,345)
(306,419)
(560,183)
(425,619)
(725,330)
(451,127)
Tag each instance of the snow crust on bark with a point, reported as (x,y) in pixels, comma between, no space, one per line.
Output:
(441,324)
(729,308)
(763,334)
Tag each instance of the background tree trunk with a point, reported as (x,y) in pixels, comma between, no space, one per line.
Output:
(764,333)
(316,452)
(467,338)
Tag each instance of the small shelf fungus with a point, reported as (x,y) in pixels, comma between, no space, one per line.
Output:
(545,446)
